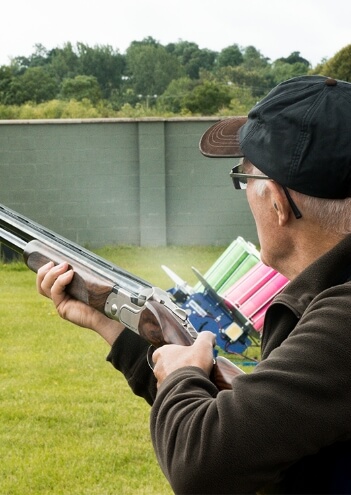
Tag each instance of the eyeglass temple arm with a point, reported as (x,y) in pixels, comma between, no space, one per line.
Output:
(292,204)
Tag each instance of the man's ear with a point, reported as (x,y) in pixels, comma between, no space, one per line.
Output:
(279,202)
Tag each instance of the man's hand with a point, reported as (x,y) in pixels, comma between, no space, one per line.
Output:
(171,357)
(52,281)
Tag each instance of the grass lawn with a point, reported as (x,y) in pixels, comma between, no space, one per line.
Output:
(68,421)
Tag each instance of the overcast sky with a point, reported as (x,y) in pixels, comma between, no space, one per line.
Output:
(316,28)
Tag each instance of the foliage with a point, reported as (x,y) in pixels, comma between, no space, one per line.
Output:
(241,100)
(64,62)
(54,109)
(36,84)
(282,71)
(6,75)
(231,56)
(149,79)
(173,98)
(338,66)
(294,58)
(150,69)
(258,82)
(80,88)
(192,58)
(104,64)
(253,58)
(207,98)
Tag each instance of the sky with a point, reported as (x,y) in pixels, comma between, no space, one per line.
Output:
(317,29)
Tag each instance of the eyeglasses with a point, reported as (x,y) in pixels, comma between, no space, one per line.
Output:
(239,179)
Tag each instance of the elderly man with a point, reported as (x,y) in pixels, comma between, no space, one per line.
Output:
(286,427)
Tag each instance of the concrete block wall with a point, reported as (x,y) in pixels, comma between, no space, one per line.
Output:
(121,181)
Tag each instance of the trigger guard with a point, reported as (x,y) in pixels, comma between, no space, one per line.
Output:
(149,354)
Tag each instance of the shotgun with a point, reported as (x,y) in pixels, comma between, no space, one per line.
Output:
(147,310)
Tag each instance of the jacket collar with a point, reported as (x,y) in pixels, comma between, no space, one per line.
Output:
(333,268)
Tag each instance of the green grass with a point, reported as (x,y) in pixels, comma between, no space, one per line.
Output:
(68,422)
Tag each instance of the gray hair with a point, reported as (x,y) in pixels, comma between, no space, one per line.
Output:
(332,214)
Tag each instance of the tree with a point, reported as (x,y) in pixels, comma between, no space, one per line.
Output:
(148,41)
(230,57)
(103,63)
(259,81)
(64,62)
(19,65)
(294,58)
(253,59)
(338,66)
(282,71)
(207,98)
(192,58)
(172,100)
(81,88)
(36,84)
(241,101)
(151,79)
(6,77)
(151,68)
(37,59)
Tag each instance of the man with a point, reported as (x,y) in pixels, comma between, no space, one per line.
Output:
(286,427)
